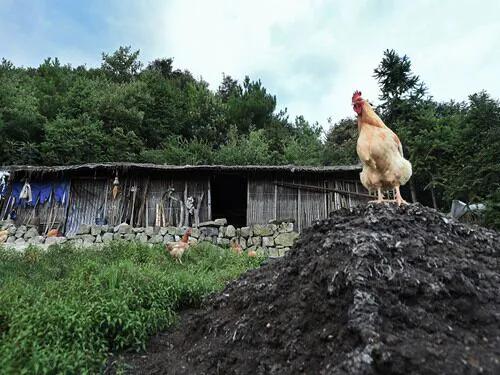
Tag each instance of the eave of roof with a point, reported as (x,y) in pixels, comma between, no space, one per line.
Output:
(173,168)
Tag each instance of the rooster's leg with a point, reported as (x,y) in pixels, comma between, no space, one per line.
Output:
(380,196)
(399,198)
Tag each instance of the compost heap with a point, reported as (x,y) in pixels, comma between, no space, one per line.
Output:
(379,290)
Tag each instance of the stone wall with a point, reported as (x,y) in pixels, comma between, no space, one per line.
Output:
(271,239)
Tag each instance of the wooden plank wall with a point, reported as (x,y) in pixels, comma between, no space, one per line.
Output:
(88,196)
(268,201)
(260,202)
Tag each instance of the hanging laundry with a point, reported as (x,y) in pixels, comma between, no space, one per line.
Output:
(4,178)
(26,192)
(61,191)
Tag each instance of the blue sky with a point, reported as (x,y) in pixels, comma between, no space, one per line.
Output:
(311,54)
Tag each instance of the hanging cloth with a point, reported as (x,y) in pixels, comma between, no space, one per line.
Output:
(26,192)
(61,191)
(4,177)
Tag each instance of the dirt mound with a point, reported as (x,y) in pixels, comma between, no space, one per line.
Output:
(380,290)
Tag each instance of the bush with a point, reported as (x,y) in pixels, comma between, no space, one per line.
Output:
(66,309)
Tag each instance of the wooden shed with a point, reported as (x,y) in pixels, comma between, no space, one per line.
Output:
(161,195)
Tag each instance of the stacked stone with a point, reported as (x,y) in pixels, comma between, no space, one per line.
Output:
(272,239)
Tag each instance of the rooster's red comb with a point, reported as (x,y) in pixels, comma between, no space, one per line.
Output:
(356,95)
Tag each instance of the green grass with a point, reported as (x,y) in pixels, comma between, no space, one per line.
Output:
(65,310)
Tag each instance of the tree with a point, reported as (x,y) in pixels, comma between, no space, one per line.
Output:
(73,141)
(403,99)
(340,144)
(122,65)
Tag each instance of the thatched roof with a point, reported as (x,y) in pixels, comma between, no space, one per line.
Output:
(174,168)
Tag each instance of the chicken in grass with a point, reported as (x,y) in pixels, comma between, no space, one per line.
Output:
(176,249)
(380,152)
(236,248)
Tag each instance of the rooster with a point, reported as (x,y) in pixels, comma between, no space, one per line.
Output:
(380,152)
(236,248)
(176,249)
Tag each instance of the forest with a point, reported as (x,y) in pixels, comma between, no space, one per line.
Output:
(126,110)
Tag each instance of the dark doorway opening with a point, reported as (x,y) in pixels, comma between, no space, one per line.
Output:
(229,198)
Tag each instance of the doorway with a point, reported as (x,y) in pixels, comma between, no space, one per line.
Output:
(229,198)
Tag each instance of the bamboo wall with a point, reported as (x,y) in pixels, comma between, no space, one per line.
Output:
(89,196)
(268,199)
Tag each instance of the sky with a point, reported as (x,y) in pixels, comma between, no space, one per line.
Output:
(311,54)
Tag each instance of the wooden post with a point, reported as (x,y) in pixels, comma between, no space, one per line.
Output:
(209,200)
(325,184)
(299,211)
(275,200)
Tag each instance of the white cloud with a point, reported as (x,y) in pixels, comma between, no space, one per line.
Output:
(291,44)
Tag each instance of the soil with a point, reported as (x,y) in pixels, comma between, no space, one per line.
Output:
(378,290)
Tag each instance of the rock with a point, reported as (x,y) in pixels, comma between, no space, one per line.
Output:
(88,238)
(32,232)
(263,230)
(208,224)
(6,224)
(246,232)
(243,243)
(283,251)
(163,231)
(107,237)
(129,237)
(83,229)
(77,242)
(36,240)
(141,237)
(222,231)
(180,231)
(95,230)
(55,240)
(106,228)
(137,230)
(177,238)
(220,222)
(267,241)
(222,241)
(72,236)
(98,239)
(11,239)
(20,241)
(123,228)
(209,231)
(156,239)
(281,221)
(171,230)
(286,239)
(285,227)
(150,231)
(192,240)
(273,252)
(12,230)
(168,238)
(230,231)
(256,241)
(117,236)
(21,231)
(195,232)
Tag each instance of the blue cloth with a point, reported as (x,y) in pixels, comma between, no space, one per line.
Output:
(16,191)
(61,191)
(41,191)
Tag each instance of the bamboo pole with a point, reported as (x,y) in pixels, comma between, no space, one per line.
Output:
(319,188)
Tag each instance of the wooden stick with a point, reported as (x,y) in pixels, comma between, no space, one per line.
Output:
(319,188)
